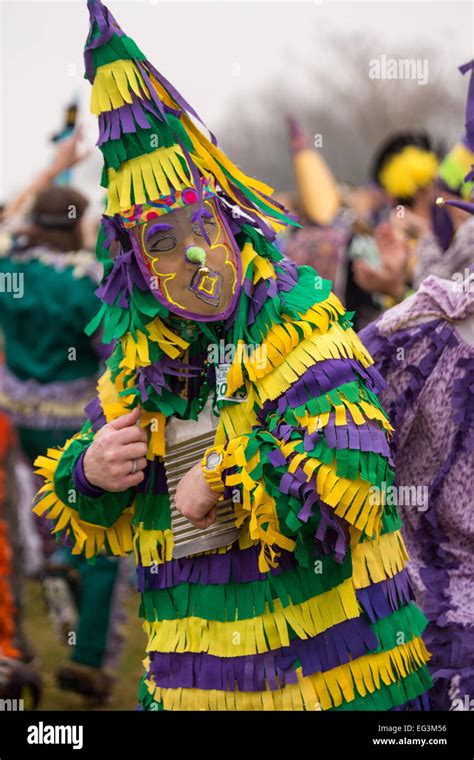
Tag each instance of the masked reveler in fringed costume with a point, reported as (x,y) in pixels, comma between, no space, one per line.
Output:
(301,599)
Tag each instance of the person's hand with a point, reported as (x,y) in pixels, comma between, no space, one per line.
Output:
(411,225)
(366,277)
(382,281)
(195,499)
(389,279)
(68,154)
(392,246)
(116,458)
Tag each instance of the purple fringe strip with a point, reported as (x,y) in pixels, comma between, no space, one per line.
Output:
(108,26)
(321,378)
(338,645)
(381,599)
(119,284)
(95,414)
(235,566)
(124,120)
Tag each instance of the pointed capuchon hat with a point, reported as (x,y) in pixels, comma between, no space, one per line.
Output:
(317,187)
(154,152)
(456,171)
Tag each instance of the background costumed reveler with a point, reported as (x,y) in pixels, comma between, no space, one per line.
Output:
(311,608)
(429,395)
(50,372)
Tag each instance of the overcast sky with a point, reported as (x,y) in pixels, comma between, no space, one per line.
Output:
(213,52)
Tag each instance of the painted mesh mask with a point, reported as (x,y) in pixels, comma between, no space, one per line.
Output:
(193,277)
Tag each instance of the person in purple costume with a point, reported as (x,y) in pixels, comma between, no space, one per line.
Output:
(424,348)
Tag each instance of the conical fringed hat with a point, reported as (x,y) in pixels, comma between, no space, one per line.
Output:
(317,188)
(456,171)
(154,153)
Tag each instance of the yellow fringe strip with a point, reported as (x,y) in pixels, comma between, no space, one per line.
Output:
(313,316)
(213,159)
(113,85)
(290,366)
(352,500)
(89,539)
(281,340)
(263,269)
(375,561)
(170,343)
(150,176)
(260,634)
(370,411)
(113,405)
(136,352)
(210,158)
(153,547)
(258,508)
(236,419)
(320,691)
(248,254)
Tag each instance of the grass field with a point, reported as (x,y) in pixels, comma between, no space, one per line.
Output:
(50,653)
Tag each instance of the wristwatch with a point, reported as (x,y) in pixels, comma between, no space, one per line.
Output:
(212,465)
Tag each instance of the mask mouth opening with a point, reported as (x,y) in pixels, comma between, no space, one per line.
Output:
(207,285)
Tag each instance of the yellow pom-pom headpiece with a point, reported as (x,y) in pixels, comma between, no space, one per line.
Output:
(408,171)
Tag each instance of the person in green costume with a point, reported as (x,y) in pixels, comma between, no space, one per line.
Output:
(48,377)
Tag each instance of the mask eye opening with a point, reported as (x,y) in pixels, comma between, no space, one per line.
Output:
(162,244)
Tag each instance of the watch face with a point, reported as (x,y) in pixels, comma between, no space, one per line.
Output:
(213,460)
(192,277)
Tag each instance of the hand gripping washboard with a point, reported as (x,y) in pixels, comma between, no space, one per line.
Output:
(186,442)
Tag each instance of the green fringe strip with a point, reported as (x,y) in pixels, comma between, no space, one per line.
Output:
(234,601)
(394,695)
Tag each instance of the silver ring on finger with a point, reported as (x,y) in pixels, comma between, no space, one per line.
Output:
(134,467)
